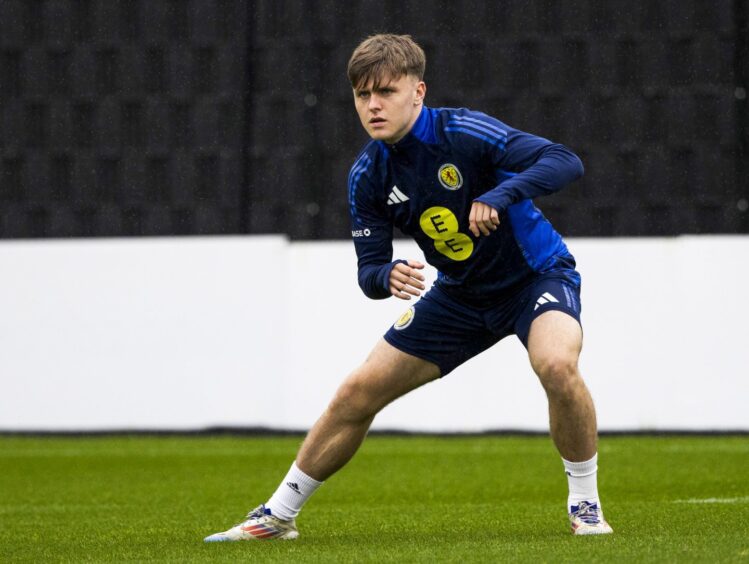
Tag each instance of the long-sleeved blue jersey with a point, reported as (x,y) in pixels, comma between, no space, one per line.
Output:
(425,185)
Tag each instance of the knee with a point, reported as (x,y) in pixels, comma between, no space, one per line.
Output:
(559,375)
(353,401)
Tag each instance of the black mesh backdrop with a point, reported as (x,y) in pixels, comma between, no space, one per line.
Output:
(155,117)
(122,117)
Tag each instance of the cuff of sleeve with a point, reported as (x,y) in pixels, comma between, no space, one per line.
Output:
(385,274)
(499,202)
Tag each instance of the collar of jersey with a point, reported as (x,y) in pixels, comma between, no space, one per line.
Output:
(421,132)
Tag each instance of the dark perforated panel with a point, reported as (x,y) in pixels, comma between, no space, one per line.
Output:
(122,117)
(164,117)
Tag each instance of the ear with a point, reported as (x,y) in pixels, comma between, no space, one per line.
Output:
(421,92)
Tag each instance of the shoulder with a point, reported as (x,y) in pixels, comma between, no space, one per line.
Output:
(469,126)
(366,171)
(367,161)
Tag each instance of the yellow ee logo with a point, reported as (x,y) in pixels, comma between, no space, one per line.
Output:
(440,224)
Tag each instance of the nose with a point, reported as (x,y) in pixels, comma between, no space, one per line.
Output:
(374,102)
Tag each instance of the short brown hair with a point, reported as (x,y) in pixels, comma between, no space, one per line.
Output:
(383,56)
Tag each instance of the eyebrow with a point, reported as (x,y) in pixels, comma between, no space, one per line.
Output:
(378,88)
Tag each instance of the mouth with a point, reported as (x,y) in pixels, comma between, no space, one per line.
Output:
(376,121)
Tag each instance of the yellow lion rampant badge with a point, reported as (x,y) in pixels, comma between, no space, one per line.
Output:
(405,319)
(450,177)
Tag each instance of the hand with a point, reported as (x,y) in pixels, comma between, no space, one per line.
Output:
(405,280)
(483,219)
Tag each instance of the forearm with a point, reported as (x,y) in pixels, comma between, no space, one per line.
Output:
(374,279)
(556,168)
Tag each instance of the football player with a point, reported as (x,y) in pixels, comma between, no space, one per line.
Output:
(462,184)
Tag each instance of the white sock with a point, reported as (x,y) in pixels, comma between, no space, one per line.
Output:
(582,478)
(292,493)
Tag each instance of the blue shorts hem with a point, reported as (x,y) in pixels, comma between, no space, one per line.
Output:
(524,334)
(444,370)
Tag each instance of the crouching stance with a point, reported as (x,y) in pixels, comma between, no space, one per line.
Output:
(461,183)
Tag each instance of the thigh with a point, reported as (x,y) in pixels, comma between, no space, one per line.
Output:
(441,330)
(544,295)
(554,343)
(387,374)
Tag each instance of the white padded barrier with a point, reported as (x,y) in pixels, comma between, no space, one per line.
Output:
(186,333)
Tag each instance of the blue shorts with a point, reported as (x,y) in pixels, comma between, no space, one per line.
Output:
(443,330)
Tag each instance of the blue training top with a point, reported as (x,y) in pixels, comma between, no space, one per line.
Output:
(425,185)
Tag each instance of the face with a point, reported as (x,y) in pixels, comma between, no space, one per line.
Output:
(389,111)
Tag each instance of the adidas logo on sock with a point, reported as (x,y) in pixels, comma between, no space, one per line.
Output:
(545,298)
(396,196)
(294,486)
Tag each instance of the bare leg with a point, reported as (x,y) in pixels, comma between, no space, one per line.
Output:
(386,375)
(554,346)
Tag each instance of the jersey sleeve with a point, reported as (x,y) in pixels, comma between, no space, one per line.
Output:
(372,232)
(531,166)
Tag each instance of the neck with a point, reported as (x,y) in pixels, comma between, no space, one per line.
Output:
(412,122)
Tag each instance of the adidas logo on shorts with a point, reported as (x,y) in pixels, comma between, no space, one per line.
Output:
(545,298)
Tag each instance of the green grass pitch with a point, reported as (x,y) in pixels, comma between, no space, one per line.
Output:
(411,499)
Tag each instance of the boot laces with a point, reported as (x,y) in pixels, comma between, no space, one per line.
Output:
(588,513)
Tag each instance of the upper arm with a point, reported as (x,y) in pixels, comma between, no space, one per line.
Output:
(371,227)
(507,148)
(362,196)
(525,165)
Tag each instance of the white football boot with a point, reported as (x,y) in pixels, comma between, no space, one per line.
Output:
(259,524)
(586,518)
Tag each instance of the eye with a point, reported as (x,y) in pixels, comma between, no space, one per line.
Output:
(362,94)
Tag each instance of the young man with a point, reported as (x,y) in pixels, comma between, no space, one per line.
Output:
(461,184)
